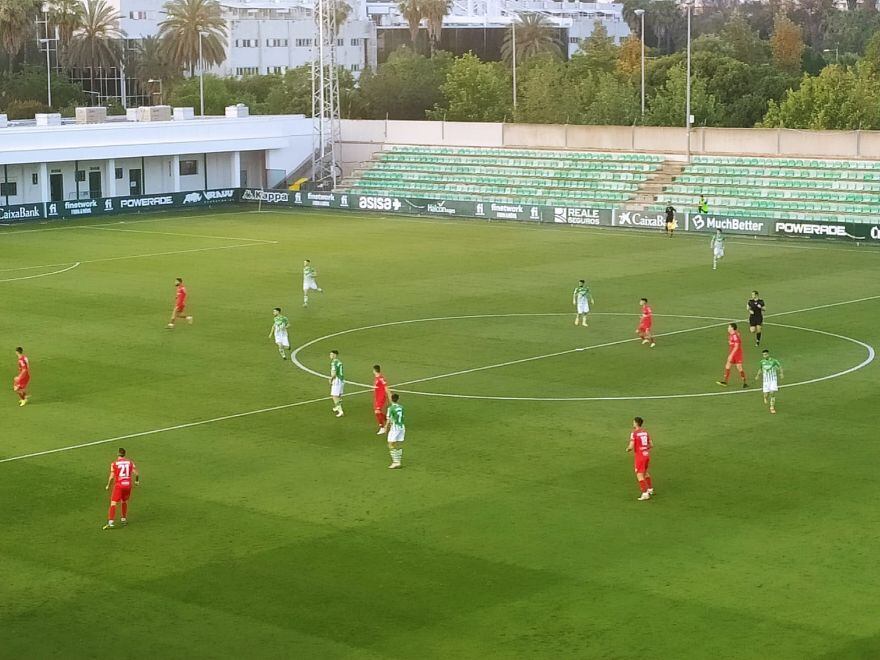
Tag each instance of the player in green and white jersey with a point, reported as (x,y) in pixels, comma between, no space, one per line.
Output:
(279,332)
(771,372)
(310,283)
(581,298)
(717,244)
(396,429)
(337,382)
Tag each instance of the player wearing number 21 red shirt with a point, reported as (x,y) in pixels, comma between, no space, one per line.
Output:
(646,323)
(640,445)
(20,382)
(179,311)
(734,356)
(122,470)
(380,397)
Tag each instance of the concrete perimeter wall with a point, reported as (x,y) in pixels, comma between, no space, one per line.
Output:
(361,138)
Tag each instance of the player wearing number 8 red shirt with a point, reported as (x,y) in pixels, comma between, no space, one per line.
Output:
(734,356)
(640,445)
(20,382)
(179,304)
(646,323)
(121,472)
(380,397)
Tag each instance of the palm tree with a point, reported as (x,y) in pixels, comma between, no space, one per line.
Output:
(342,11)
(97,43)
(535,34)
(411,10)
(435,11)
(68,17)
(17,26)
(179,32)
(151,62)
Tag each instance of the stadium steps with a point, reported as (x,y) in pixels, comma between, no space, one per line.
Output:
(778,188)
(651,188)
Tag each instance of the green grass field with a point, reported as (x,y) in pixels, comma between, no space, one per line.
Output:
(266,527)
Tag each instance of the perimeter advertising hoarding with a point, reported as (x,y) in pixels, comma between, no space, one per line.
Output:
(729,224)
(110,205)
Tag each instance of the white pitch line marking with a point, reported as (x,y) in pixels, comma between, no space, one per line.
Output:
(176,427)
(299,364)
(173,233)
(33,277)
(868,360)
(137,256)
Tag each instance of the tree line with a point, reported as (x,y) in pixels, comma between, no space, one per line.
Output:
(808,65)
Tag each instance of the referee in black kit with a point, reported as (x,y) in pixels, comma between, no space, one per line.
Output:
(756,316)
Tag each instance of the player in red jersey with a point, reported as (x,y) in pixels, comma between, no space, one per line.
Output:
(179,304)
(121,472)
(646,322)
(734,356)
(640,444)
(381,394)
(20,382)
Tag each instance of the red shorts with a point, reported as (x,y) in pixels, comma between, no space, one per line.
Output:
(641,463)
(20,382)
(737,358)
(179,308)
(644,327)
(121,493)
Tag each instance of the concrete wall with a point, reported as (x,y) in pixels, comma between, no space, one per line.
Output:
(361,138)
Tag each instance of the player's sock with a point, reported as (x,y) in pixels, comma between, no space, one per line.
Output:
(21,395)
(643,485)
(758,337)
(124,510)
(111,514)
(648,481)
(399,456)
(726,375)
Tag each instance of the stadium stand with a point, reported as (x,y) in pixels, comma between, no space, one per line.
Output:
(525,176)
(778,188)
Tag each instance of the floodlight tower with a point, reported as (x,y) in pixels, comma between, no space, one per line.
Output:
(325,94)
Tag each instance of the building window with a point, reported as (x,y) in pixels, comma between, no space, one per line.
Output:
(340,42)
(80,175)
(9,189)
(246,43)
(137,15)
(276,43)
(303,43)
(355,67)
(189,167)
(355,42)
(573,40)
(35,178)
(118,172)
(276,69)
(247,71)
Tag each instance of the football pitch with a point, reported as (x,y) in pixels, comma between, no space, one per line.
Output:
(266,527)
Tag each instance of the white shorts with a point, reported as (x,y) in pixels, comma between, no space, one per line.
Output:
(396,433)
(310,285)
(770,386)
(718,252)
(583,306)
(281,339)
(336,387)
